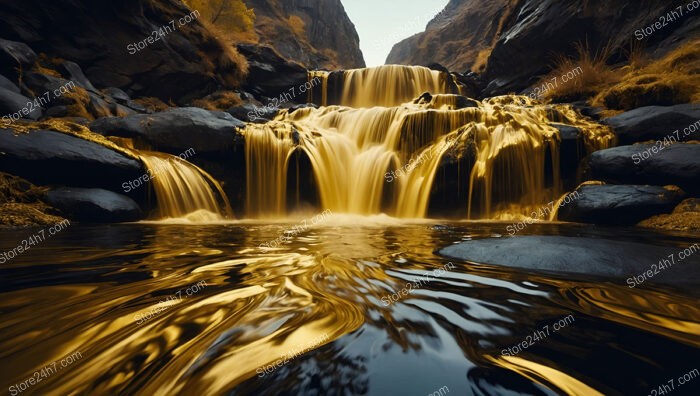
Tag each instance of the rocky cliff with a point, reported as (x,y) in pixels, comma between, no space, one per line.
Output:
(516,41)
(315,33)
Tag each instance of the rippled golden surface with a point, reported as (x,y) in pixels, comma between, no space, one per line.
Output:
(317,304)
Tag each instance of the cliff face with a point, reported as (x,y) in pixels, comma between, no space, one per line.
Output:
(514,41)
(110,40)
(315,33)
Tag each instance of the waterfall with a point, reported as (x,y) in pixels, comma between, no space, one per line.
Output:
(380,151)
(183,189)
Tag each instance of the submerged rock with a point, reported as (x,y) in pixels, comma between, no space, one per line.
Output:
(94,205)
(677,164)
(48,157)
(580,255)
(656,123)
(176,130)
(617,205)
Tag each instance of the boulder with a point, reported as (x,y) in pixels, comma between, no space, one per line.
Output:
(270,74)
(656,123)
(14,105)
(174,131)
(677,164)
(117,94)
(72,71)
(92,205)
(55,158)
(250,112)
(9,85)
(620,260)
(15,56)
(619,204)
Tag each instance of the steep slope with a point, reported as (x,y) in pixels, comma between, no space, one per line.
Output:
(515,41)
(115,43)
(460,37)
(315,33)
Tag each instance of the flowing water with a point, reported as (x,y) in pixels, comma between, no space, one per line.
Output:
(158,309)
(348,303)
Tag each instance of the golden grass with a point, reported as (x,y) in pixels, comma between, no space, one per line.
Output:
(592,75)
(297,24)
(673,79)
(221,100)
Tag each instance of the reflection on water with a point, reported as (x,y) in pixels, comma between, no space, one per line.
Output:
(225,316)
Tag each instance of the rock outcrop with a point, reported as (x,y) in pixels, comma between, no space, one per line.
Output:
(619,204)
(673,123)
(316,33)
(175,131)
(54,158)
(656,164)
(115,44)
(93,205)
(516,41)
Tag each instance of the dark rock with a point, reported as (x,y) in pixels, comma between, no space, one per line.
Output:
(186,63)
(250,112)
(57,112)
(98,107)
(75,74)
(677,164)
(176,130)
(572,150)
(438,67)
(50,89)
(116,93)
(656,123)
(15,56)
(294,107)
(48,157)
(270,74)
(14,105)
(9,85)
(94,205)
(619,204)
(620,260)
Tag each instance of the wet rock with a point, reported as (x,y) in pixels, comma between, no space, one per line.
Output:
(620,260)
(685,217)
(15,56)
(619,204)
(250,112)
(94,205)
(174,131)
(270,74)
(54,158)
(677,164)
(14,105)
(656,123)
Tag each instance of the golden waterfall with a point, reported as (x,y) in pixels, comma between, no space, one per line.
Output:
(183,189)
(380,151)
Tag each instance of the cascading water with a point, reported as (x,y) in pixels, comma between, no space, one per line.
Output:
(367,159)
(183,189)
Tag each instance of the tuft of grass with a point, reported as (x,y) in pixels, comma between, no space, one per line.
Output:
(593,74)
(673,79)
(221,100)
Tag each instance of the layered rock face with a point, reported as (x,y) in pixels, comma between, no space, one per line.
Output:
(515,41)
(182,59)
(315,33)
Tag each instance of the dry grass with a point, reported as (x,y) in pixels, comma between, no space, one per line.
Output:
(222,100)
(593,75)
(297,25)
(673,79)
(481,60)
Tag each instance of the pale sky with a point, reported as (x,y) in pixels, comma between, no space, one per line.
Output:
(383,23)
